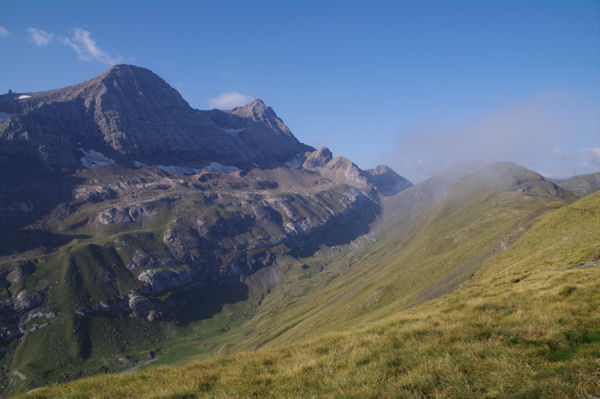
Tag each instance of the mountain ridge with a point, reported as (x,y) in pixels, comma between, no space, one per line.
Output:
(131,114)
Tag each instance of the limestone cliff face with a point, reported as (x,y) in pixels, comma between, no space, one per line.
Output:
(130,114)
(382,179)
(267,140)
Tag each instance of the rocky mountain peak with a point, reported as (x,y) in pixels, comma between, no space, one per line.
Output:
(256,110)
(386,180)
(255,113)
(132,83)
(129,114)
(317,158)
(508,176)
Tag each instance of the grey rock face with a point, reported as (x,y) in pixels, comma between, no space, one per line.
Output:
(581,185)
(140,259)
(158,280)
(318,158)
(129,214)
(339,169)
(27,300)
(139,303)
(130,114)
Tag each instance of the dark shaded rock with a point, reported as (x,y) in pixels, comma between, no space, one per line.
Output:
(158,280)
(139,303)
(141,259)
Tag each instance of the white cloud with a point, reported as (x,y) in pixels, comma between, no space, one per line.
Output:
(229,100)
(87,49)
(3,32)
(591,156)
(40,37)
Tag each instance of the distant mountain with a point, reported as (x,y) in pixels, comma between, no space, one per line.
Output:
(581,185)
(342,170)
(387,181)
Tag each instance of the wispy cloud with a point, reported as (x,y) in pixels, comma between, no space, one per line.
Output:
(534,133)
(40,37)
(229,100)
(87,49)
(3,32)
(591,156)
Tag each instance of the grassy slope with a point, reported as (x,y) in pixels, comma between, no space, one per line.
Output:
(526,325)
(418,256)
(441,249)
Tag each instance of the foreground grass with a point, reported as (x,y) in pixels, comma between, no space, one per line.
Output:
(526,325)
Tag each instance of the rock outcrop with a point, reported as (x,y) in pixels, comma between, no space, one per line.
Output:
(386,180)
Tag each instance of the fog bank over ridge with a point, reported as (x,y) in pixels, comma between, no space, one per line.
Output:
(548,133)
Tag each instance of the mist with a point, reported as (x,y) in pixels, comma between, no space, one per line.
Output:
(553,133)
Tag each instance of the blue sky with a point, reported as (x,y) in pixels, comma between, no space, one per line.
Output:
(413,84)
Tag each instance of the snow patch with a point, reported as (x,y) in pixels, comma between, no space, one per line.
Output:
(188,171)
(93,158)
(3,116)
(139,164)
(217,167)
(233,132)
(293,163)
(23,97)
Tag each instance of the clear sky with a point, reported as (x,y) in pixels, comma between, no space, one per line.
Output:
(413,84)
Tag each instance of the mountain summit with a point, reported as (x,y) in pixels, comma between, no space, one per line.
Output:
(130,114)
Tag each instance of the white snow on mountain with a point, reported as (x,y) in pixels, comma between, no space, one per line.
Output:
(233,132)
(93,158)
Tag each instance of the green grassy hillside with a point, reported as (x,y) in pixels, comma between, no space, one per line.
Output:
(431,242)
(525,325)
(431,239)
